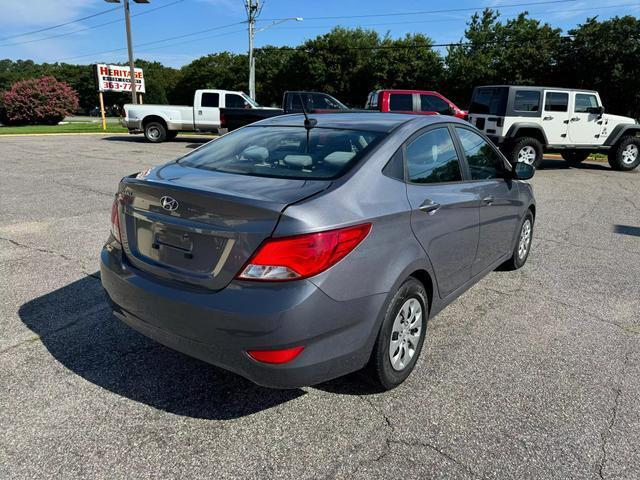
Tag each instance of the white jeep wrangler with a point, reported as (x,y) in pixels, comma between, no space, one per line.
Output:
(526,122)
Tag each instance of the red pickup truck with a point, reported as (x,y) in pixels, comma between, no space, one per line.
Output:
(422,102)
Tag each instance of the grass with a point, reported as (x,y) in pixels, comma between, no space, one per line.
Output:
(65,128)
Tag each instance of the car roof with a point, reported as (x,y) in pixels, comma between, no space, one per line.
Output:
(537,87)
(359,120)
(403,90)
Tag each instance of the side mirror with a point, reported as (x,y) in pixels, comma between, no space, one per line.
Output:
(523,171)
(597,110)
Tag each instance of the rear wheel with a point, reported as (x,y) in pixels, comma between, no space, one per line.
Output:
(155,132)
(625,155)
(401,336)
(527,150)
(574,157)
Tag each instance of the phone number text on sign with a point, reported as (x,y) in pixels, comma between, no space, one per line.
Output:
(114,78)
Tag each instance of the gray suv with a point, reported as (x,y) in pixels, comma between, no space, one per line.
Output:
(297,249)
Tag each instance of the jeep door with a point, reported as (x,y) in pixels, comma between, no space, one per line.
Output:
(585,126)
(555,119)
(444,211)
(498,197)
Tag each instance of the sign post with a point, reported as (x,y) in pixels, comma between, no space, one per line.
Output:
(114,78)
(102,113)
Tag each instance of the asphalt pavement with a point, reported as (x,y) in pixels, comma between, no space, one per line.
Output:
(530,374)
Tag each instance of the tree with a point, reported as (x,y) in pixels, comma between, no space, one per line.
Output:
(43,100)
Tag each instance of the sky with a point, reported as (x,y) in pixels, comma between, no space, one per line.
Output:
(175,32)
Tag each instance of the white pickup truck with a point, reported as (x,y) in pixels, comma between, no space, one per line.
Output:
(163,122)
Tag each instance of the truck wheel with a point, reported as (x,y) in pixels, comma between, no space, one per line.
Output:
(574,157)
(527,150)
(155,132)
(625,155)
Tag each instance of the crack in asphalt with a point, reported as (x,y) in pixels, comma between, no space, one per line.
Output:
(606,434)
(83,188)
(83,269)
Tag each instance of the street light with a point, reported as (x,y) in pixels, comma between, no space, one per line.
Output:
(127,21)
(253,10)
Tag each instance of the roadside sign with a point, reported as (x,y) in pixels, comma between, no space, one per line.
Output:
(115,78)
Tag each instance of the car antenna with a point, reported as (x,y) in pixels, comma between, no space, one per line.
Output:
(309,123)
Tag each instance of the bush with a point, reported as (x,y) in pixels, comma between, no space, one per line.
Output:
(38,101)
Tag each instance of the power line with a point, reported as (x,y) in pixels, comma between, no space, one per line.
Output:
(425,12)
(61,24)
(448,20)
(154,42)
(92,27)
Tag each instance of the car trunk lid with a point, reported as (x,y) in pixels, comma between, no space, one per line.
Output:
(199,227)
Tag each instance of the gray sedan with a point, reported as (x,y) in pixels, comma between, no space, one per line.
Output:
(296,250)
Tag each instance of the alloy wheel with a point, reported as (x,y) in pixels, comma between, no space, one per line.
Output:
(405,334)
(630,154)
(527,154)
(525,239)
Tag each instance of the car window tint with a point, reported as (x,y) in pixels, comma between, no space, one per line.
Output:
(484,162)
(401,102)
(527,101)
(556,102)
(432,158)
(284,152)
(235,101)
(431,103)
(585,101)
(210,100)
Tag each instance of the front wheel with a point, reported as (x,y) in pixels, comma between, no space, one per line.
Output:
(523,245)
(527,150)
(625,155)
(401,336)
(575,157)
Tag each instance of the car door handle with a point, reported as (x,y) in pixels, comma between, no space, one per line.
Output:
(429,206)
(575,119)
(488,200)
(548,118)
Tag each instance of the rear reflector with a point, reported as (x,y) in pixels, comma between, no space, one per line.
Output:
(115,221)
(275,356)
(302,256)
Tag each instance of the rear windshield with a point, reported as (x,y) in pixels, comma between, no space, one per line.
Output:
(284,152)
(489,101)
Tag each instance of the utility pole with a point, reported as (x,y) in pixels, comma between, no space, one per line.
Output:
(253,10)
(127,21)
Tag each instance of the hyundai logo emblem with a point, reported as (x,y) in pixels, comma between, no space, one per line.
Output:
(169,203)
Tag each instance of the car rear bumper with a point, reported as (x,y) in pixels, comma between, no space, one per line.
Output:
(219,327)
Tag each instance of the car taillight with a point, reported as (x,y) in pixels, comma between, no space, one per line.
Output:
(302,256)
(115,221)
(275,356)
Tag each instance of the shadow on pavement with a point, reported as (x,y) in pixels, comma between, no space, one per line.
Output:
(553,164)
(76,326)
(627,230)
(193,140)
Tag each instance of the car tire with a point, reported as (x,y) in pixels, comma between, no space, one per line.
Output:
(523,244)
(404,322)
(575,157)
(171,135)
(155,132)
(528,150)
(625,155)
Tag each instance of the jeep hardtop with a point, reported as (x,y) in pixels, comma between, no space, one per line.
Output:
(525,122)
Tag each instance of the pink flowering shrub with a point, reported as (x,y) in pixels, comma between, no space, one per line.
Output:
(38,101)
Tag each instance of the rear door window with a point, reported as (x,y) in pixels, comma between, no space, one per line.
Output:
(401,102)
(210,100)
(432,158)
(556,102)
(527,101)
(372,101)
